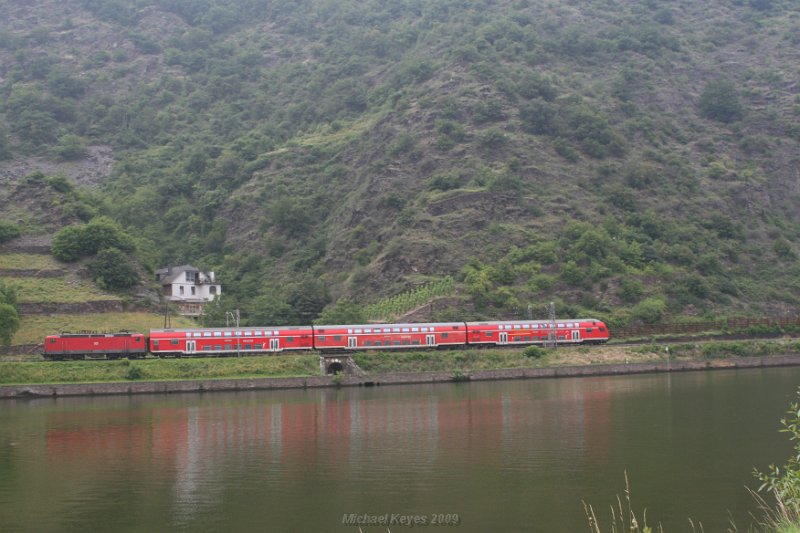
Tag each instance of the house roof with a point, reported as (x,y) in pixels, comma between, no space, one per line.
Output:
(171,274)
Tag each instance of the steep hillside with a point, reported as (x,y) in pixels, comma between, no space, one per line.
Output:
(632,160)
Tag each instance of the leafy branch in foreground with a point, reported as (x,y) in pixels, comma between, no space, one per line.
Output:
(784,482)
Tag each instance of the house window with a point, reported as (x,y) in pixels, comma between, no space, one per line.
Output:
(212,289)
(181,290)
(193,291)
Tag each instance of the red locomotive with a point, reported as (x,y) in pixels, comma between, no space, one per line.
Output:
(263,340)
(109,345)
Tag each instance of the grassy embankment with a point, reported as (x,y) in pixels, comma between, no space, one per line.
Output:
(459,362)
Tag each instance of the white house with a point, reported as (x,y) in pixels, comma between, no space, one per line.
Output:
(188,287)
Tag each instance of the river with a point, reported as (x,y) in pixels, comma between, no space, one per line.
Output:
(473,457)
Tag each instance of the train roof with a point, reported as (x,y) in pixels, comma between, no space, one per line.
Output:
(388,325)
(520,322)
(96,334)
(241,328)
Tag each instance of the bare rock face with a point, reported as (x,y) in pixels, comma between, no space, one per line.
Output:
(90,171)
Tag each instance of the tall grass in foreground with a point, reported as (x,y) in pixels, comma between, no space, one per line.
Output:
(623,517)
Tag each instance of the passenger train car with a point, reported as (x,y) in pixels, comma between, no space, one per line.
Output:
(206,342)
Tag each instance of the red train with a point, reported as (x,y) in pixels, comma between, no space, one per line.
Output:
(328,338)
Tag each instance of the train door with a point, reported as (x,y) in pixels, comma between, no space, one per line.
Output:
(430,340)
(352,342)
(503,337)
(576,335)
(191,346)
(274,345)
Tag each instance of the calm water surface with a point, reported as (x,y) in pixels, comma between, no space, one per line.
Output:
(503,456)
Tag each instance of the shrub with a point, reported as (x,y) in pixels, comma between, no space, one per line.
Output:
(720,101)
(650,310)
(70,148)
(8,231)
(67,244)
(134,372)
(74,242)
(9,323)
(112,270)
(534,352)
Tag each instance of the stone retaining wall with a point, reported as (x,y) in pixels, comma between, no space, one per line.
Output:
(212,385)
(51,308)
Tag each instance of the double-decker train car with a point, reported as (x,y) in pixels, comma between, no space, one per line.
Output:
(578,331)
(109,345)
(389,336)
(229,341)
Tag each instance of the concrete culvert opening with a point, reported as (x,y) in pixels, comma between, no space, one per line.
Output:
(335,368)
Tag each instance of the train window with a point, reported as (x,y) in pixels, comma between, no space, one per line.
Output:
(561,325)
(367,343)
(406,330)
(174,342)
(526,338)
(489,333)
(248,346)
(397,343)
(227,347)
(229,334)
(218,334)
(415,343)
(601,328)
(368,330)
(53,341)
(444,335)
(289,339)
(337,337)
(589,330)
(238,333)
(359,331)
(424,330)
(217,347)
(415,330)
(349,331)
(378,343)
(206,334)
(276,332)
(206,347)
(321,339)
(406,343)
(517,326)
(395,330)
(387,330)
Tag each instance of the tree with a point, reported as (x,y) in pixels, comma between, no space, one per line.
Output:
(9,323)
(270,310)
(720,101)
(112,270)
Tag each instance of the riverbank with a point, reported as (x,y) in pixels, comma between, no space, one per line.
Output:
(395,378)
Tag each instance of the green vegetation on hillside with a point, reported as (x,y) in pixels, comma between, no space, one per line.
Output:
(634,162)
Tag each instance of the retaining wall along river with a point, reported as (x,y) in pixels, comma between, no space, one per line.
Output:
(396,378)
